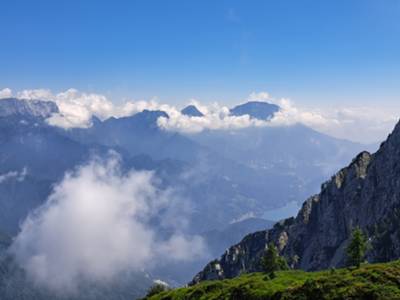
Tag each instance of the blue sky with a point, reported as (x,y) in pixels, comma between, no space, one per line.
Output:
(314,52)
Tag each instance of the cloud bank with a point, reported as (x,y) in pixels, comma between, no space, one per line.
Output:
(357,123)
(216,117)
(366,124)
(96,224)
(77,108)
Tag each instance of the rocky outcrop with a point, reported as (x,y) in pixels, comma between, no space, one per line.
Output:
(365,194)
(30,108)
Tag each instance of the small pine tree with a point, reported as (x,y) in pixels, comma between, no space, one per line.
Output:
(357,248)
(283,265)
(272,262)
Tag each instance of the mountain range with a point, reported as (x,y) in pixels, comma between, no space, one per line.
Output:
(230,178)
(227,174)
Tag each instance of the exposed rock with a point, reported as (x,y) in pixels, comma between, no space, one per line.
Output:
(365,194)
(32,108)
(256,110)
(192,111)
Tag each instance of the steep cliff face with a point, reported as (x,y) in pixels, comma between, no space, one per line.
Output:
(365,194)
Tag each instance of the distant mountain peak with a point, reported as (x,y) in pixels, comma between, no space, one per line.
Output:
(153,113)
(22,107)
(191,111)
(143,119)
(256,110)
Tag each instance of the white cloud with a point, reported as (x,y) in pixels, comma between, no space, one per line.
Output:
(96,224)
(364,124)
(5,93)
(289,114)
(215,117)
(77,108)
(19,176)
(39,94)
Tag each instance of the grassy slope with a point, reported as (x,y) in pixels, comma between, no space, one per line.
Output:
(375,281)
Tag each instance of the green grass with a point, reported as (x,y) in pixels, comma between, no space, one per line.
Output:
(371,281)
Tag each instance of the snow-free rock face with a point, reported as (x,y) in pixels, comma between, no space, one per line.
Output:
(192,111)
(32,108)
(256,110)
(365,194)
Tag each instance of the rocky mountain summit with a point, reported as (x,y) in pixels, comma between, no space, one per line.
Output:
(192,111)
(256,110)
(366,193)
(31,108)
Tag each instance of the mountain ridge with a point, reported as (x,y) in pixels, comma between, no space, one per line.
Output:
(365,194)
(24,107)
(219,189)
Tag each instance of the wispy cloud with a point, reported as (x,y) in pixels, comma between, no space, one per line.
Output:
(17,175)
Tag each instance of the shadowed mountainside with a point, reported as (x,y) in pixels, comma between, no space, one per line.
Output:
(365,194)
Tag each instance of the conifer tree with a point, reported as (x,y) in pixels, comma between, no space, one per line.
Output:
(272,262)
(357,248)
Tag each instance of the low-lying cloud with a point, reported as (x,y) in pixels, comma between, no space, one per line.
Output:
(77,108)
(96,224)
(357,123)
(216,117)
(367,124)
